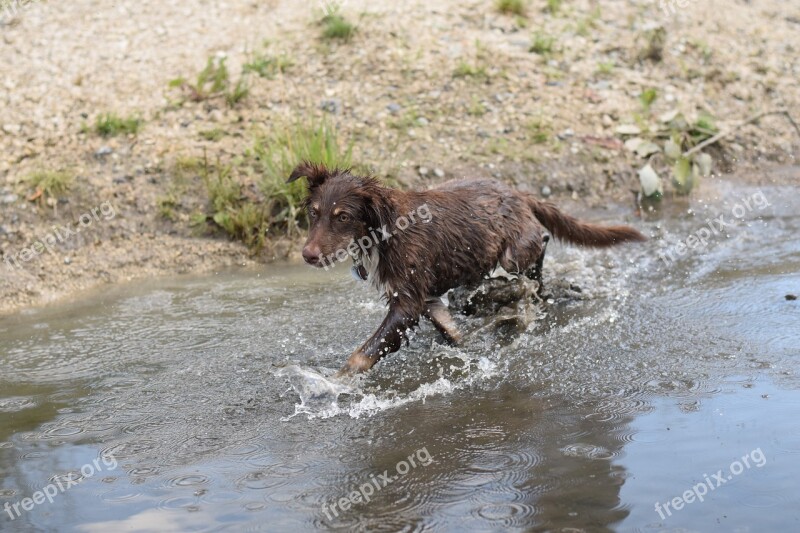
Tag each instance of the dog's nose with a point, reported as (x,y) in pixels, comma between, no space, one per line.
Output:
(311,254)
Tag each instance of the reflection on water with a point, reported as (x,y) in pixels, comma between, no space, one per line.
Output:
(214,395)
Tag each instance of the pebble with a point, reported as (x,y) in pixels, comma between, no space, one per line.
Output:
(423,171)
(546,192)
(439,172)
(12,129)
(331,106)
(67,261)
(9,198)
(422,121)
(394,108)
(104,151)
(791,297)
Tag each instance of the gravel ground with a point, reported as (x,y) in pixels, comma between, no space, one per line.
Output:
(547,122)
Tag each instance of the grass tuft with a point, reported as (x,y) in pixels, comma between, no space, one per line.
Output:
(111,125)
(511,7)
(213,135)
(49,184)
(542,43)
(267,66)
(214,81)
(553,6)
(465,70)
(336,27)
(253,200)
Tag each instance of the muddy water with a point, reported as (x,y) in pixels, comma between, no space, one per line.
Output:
(209,398)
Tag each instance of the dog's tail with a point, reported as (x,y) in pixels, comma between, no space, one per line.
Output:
(570,229)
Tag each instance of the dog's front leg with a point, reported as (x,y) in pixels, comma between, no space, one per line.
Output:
(386,340)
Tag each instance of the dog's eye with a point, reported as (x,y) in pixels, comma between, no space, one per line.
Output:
(312,214)
(344,217)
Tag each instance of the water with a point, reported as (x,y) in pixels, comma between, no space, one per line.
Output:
(213,397)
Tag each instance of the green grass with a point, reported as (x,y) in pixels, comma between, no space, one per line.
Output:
(111,125)
(251,201)
(476,108)
(703,128)
(542,43)
(648,97)
(267,66)
(239,92)
(213,135)
(585,25)
(214,81)
(465,70)
(336,27)
(51,184)
(605,68)
(280,150)
(167,206)
(540,131)
(511,7)
(553,6)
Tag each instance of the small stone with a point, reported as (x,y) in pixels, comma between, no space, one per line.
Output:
(331,106)
(67,261)
(104,151)
(546,192)
(423,171)
(608,121)
(12,129)
(628,129)
(422,121)
(9,198)
(394,108)
(439,172)
(791,297)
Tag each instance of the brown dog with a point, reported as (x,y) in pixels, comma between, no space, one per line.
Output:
(417,245)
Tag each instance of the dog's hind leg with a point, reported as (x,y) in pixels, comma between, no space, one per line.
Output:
(535,271)
(437,312)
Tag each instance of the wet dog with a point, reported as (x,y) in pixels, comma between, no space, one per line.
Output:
(414,246)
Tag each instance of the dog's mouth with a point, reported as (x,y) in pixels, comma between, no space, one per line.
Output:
(358,269)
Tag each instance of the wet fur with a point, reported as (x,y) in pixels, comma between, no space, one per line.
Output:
(475,226)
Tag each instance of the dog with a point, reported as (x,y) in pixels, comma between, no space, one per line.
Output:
(415,246)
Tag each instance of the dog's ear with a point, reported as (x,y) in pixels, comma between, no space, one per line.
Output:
(379,210)
(316,174)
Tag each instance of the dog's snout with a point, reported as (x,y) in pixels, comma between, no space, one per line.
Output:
(311,254)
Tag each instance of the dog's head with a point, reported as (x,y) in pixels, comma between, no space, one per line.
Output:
(342,209)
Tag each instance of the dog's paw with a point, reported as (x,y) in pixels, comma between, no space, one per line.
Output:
(356,363)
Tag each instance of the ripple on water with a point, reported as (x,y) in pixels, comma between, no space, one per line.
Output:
(507,515)
(120,495)
(16,404)
(129,449)
(188,503)
(587,451)
(261,480)
(188,480)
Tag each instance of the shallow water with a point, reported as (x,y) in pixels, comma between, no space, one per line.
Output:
(212,396)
